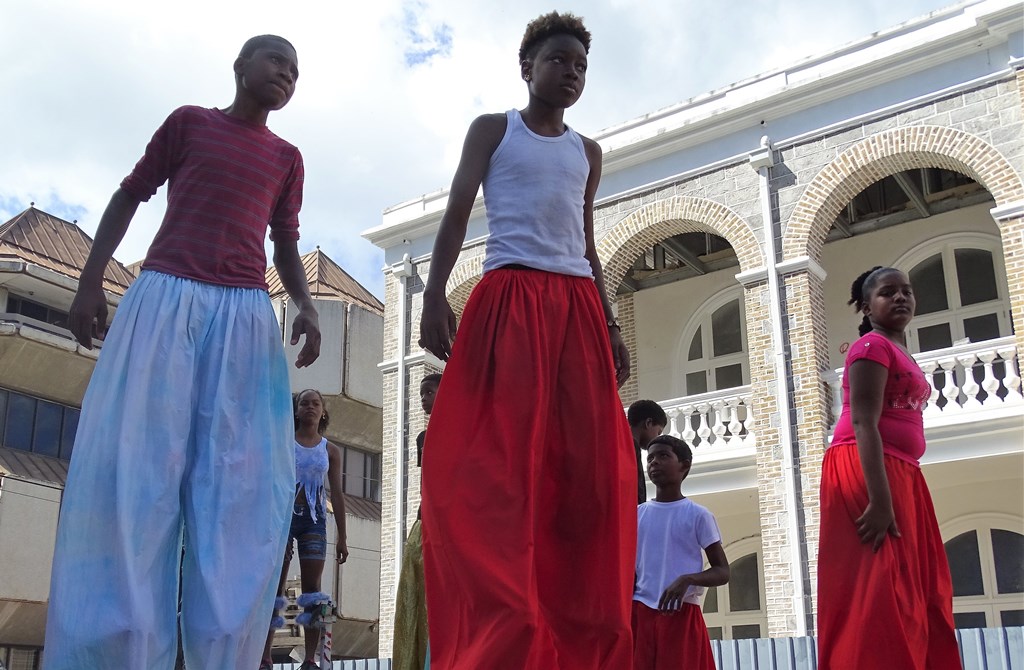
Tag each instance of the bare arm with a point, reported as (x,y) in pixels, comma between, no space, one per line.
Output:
(334,467)
(867,388)
(307,322)
(620,354)
(88,313)
(437,325)
(716,575)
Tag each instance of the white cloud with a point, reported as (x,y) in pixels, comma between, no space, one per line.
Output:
(86,84)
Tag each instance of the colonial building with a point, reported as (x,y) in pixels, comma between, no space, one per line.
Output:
(44,374)
(730,227)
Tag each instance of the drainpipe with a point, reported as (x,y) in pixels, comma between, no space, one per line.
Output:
(402,271)
(762,160)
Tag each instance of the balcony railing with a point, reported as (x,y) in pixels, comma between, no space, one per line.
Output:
(965,379)
(716,424)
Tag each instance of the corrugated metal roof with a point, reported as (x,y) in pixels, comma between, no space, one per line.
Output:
(358,507)
(326,279)
(26,465)
(51,242)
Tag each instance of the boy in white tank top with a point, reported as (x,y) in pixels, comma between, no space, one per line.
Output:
(530,465)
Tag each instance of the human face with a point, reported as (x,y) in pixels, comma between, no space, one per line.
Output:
(428,390)
(891,303)
(310,409)
(663,466)
(269,75)
(557,72)
(648,431)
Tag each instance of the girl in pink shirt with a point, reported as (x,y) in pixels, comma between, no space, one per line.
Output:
(885,598)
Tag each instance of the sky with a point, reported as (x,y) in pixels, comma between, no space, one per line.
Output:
(385,93)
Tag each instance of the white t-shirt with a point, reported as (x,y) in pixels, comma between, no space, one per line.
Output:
(670,540)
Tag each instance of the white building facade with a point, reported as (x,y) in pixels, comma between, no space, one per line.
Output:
(731,227)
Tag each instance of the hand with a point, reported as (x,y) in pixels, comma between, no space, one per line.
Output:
(307,323)
(620,356)
(87,317)
(342,549)
(672,598)
(875,523)
(437,326)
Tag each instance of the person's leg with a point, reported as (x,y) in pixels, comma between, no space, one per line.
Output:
(682,641)
(268,647)
(410,638)
(312,569)
(114,586)
(479,483)
(238,493)
(585,534)
(644,637)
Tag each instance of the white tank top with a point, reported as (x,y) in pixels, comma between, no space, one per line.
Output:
(533,191)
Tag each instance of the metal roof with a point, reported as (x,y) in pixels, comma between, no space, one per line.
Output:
(53,243)
(327,280)
(26,465)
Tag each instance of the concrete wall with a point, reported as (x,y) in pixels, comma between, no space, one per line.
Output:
(363,380)
(328,372)
(28,531)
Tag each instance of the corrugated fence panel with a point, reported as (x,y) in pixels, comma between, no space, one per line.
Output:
(980,649)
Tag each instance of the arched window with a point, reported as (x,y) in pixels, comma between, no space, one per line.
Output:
(713,350)
(960,286)
(736,611)
(986,561)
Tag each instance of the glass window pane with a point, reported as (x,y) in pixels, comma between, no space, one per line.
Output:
(746,632)
(696,347)
(744,592)
(1008,551)
(975,275)
(3,413)
(729,376)
(696,382)
(934,337)
(355,472)
(965,564)
(21,414)
(46,440)
(725,329)
(1010,618)
(715,632)
(981,328)
(24,659)
(67,436)
(929,282)
(711,600)
(969,620)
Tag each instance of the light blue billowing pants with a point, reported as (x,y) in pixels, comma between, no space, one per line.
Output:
(185,434)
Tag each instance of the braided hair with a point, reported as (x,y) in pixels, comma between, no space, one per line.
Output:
(860,292)
(325,419)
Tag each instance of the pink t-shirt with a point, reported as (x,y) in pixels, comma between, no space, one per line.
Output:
(906,392)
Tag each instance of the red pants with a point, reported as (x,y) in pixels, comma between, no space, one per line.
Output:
(893,609)
(670,641)
(529,485)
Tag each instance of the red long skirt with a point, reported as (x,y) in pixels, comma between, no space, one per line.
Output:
(529,485)
(671,641)
(885,610)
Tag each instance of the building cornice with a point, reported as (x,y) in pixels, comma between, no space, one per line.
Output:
(1008,212)
(802,264)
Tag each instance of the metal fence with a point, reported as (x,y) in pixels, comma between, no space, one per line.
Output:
(980,649)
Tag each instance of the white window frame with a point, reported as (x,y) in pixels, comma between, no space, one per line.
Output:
(708,362)
(725,618)
(991,602)
(954,314)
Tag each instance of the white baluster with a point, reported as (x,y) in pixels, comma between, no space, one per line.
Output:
(950,390)
(687,434)
(989,383)
(703,429)
(1012,379)
(933,399)
(749,440)
(735,427)
(837,397)
(969,386)
(673,422)
(720,413)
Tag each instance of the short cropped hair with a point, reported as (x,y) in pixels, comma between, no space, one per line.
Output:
(679,448)
(261,41)
(642,410)
(543,27)
(432,377)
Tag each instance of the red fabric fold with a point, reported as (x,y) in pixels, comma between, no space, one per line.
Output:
(671,641)
(529,513)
